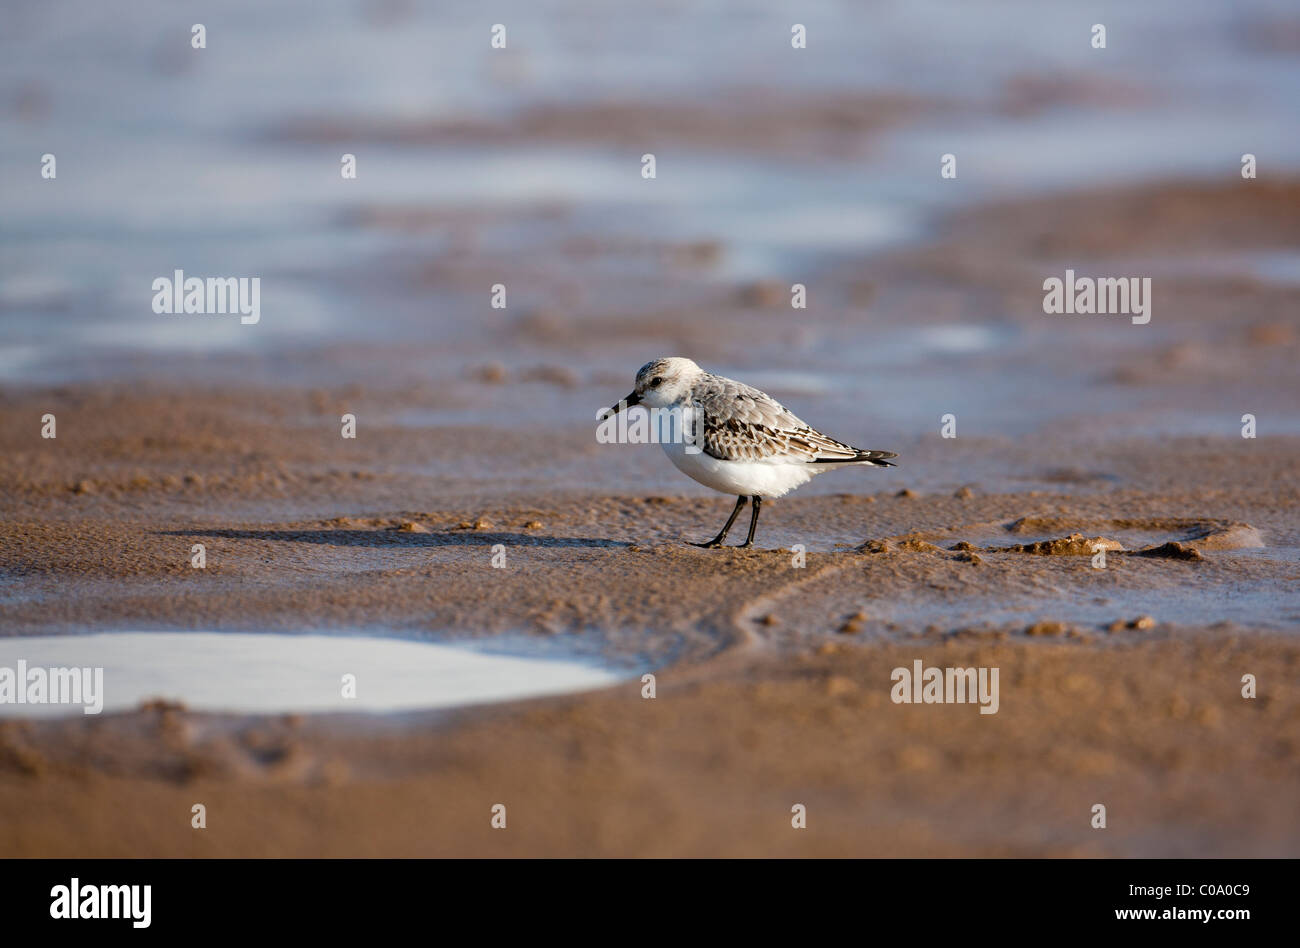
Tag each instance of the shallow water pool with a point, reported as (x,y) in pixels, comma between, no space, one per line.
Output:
(268,673)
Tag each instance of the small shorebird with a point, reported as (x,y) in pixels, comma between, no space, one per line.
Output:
(741,441)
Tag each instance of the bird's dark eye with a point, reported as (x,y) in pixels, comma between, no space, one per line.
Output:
(654,382)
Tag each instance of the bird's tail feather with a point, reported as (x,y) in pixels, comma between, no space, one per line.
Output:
(873,458)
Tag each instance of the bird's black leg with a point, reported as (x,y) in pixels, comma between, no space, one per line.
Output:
(753,522)
(717,541)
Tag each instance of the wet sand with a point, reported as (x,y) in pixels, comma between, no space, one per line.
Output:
(1154,730)
(1119,686)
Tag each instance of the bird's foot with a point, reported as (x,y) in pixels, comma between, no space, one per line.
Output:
(710,545)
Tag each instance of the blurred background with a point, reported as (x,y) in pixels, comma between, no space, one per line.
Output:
(522,166)
(775,166)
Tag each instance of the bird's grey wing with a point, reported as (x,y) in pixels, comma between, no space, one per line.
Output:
(740,423)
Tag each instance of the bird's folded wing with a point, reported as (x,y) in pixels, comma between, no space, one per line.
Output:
(740,423)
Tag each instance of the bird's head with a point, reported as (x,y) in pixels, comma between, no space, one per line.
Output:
(661,383)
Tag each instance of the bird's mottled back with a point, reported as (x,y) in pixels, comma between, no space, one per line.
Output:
(742,423)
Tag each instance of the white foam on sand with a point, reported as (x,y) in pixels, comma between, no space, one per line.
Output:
(277,673)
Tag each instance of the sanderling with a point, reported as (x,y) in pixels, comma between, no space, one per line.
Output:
(748,443)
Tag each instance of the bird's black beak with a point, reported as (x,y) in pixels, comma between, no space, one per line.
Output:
(627,402)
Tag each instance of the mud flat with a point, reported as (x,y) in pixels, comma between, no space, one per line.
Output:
(1155,730)
(1120,685)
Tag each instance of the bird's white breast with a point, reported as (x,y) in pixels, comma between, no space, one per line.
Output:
(770,478)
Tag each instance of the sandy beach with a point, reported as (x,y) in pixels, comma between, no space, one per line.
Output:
(1120,684)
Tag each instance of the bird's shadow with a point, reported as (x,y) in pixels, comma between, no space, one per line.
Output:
(398,538)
